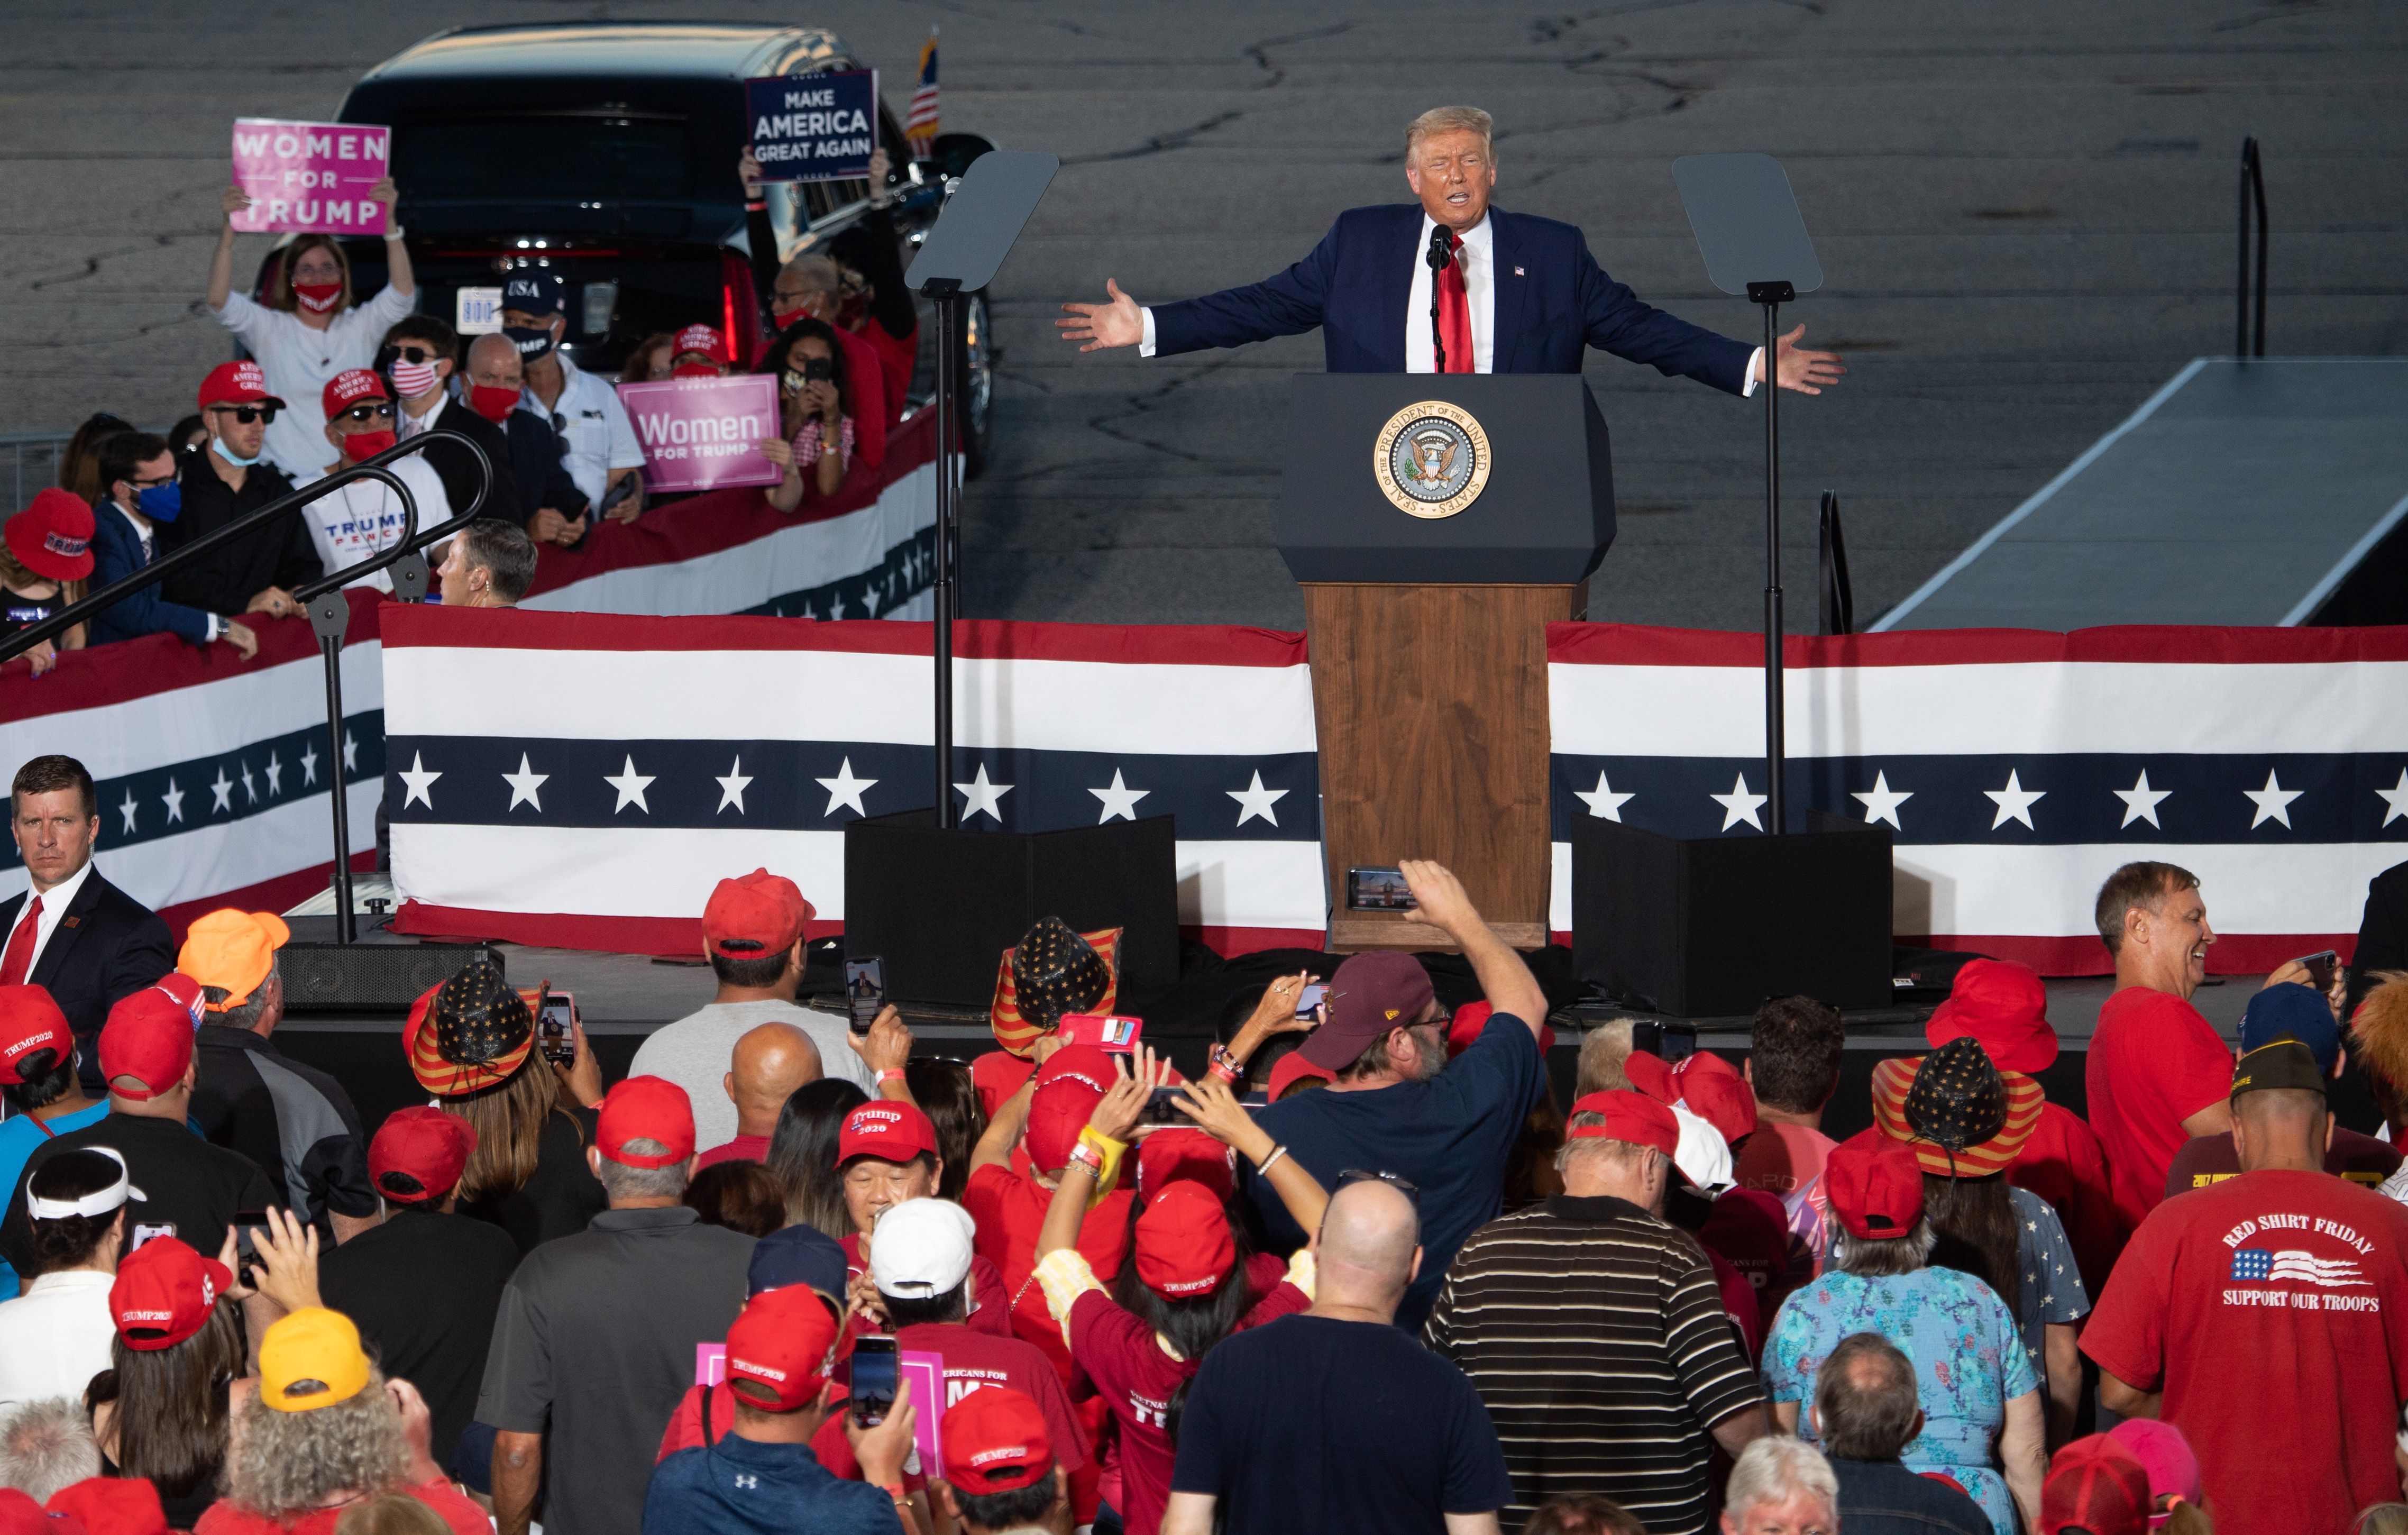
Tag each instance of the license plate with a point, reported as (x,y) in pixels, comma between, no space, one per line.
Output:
(477,312)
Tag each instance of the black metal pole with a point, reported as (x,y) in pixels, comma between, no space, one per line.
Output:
(2258,192)
(330,646)
(948,297)
(2241,277)
(1772,295)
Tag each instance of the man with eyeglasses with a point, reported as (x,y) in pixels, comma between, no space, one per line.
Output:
(139,493)
(353,524)
(604,454)
(227,480)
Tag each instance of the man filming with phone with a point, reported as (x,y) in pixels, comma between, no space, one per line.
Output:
(1396,1105)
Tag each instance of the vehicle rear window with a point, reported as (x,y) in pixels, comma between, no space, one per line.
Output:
(583,159)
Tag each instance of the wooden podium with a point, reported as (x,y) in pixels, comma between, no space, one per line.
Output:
(1438,524)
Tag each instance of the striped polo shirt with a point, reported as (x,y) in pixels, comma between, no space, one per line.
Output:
(1594,1334)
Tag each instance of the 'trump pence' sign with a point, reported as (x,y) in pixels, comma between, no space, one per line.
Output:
(309,177)
(814,127)
(702,434)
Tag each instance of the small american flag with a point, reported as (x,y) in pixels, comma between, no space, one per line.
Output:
(2252,1263)
(921,127)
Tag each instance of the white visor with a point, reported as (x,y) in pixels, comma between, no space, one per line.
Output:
(98,1203)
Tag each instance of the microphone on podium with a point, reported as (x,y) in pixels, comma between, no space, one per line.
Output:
(1439,256)
(1441,248)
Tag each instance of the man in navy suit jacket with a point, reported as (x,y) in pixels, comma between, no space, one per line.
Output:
(134,464)
(1536,296)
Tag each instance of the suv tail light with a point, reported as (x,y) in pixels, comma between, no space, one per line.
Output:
(740,309)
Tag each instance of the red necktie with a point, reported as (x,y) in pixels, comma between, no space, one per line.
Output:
(19,956)
(1454,311)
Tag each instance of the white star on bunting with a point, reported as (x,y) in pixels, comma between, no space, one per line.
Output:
(275,775)
(2395,798)
(1882,801)
(631,785)
(221,794)
(524,784)
(1119,800)
(1603,801)
(732,787)
(249,788)
(418,781)
(1739,805)
(985,798)
(2140,802)
(126,810)
(309,765)
(351,754)
(173,800)
(1256,800)
(845,789)
(2014,802)
(2273,802)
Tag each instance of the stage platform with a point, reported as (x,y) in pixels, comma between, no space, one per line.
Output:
(2245,492)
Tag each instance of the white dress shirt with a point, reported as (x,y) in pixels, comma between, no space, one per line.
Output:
(594,432)
(56,902)
(55,1337)
(300,362)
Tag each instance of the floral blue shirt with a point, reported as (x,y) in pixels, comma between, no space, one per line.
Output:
(1968,1363)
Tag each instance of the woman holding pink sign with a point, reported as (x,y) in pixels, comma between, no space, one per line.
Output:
(307,331)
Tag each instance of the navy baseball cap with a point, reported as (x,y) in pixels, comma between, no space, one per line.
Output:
(798,1254)
(2292,1011)
(536,292)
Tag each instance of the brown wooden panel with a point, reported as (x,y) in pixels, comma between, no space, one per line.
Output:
(1431,708)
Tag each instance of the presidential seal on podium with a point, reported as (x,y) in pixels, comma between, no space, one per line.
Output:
(1431,459)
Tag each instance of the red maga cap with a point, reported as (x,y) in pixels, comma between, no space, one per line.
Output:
(1650,1075)
(352,383)
(52,536)
(149,1038)
(995,1440)
(892,1132)
(2096,1485)
(646,1109)
(1630,1116)
(108,1505)
(1371,994)
(759,908)
(1875,1186)
(1183,1246)
(781,1347)
(701,339)
(236,384)
(1175,1153)
(1713,1089)
(1288,1068)
(1472,1018)
(185,992)
(2003,1006)
(164,1293)
(30,1021)
(423,1143)
(1067,1085)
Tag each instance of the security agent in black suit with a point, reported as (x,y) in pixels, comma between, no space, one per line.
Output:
(2381,934)
(421,354)
(91,944)
(556,509)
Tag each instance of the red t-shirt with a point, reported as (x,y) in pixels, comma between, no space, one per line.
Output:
(1747,1230)
(1137,1379)
(997,1075)
(896,359)
(989,1315)
(225,1517)
(2272,1310)
(2153,1062)
(973,1359)
(865,380)
(1011,1211)
(2063,1163)
(744,1148)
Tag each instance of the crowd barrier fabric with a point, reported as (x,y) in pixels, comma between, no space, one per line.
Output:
(2017,768)
(584,780)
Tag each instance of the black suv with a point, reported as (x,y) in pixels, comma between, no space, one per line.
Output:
(606,152)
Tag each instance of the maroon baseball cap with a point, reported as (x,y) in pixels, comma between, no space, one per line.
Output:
(1875,1186)
(1630,1116)
(646,1109)
(892,1132)
(424,1146)
(1370,994)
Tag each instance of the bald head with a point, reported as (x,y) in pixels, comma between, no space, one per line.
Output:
(1369,1247)
(493,362)
(767,1065)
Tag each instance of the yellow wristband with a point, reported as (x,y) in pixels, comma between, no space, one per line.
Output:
(1107,1176)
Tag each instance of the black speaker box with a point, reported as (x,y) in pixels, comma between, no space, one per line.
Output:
(369,976)
(940,907)
(1710,927)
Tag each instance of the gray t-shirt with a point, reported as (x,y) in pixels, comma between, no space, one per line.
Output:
(694,1051)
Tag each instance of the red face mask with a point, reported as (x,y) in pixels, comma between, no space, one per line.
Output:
(317,297)
(360,445)
(695,370)
(493,402)
(787,317)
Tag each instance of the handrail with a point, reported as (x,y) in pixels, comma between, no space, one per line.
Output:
(2253,190)
(24,639)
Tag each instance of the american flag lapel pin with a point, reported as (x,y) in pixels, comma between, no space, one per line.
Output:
(1517,271)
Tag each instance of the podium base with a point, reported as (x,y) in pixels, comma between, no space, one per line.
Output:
(1710,927)
(940,907)
(1352,932)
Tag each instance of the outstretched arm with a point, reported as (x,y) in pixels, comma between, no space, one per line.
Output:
(1288,303)
(1504,980)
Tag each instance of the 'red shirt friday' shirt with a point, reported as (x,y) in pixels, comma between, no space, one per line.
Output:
(2271,1308)
(2153,1062)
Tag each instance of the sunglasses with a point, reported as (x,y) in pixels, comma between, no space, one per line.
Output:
(366,412)
(1405,1186)
(413,354)
(246,414)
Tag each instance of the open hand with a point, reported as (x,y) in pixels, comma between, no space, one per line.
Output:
(1805,371)
(238,635)
(1117,323)
(1214,1105)
(234,200)
(1276,1012)
(285,1266)
(1438,898)
(581,1076)
(1118,1113)
(386,192)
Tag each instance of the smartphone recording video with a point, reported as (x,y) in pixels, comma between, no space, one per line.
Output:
(873,1380)
(2321,969)
(1378,889)
(555,1028)
(1309,1003)
(865,991)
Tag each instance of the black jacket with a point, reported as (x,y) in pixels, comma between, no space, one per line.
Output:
(1883,1497)
(107,947)
(225,581)
(457,467)
(294,1120)
(2382,933)
(538,463)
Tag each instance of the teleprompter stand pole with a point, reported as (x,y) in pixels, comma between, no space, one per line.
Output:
(1772,295)
(947,295)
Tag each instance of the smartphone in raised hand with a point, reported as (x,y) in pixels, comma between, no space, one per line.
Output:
(873,1379)
(864,992)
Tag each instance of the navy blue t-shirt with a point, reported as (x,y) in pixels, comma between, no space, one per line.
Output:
(739,1486)
(1310,1423)
(1452,1136)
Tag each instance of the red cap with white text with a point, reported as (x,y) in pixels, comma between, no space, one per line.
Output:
(892,1132)
(1183,1247)
(236,384)
(30,1021)
(995,1440)
(164,1293)
(355,383)
(780,1349)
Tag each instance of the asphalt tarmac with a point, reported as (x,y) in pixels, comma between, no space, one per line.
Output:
(2026,216)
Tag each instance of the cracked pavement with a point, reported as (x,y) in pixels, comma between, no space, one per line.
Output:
(2024,215)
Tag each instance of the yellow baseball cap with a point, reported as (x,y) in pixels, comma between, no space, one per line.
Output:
(234,950)
(311,1359)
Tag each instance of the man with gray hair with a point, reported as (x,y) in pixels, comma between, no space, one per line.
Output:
(1333,1420)
(46,1445)
(1594,1330)
(595,1343)
(1781,1486)
(1448,285)
(1865,1412)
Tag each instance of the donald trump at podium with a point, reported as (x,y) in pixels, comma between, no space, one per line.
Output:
(1453,285)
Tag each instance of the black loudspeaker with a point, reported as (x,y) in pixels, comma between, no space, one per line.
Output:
(1710,927)
(940,907)
(368,976)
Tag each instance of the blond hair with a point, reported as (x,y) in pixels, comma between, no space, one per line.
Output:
(1449,120)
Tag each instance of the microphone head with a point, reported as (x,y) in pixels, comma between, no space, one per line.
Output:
(1441,248)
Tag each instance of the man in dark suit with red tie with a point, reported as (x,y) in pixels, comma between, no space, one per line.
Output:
(74,934)
(1514,293)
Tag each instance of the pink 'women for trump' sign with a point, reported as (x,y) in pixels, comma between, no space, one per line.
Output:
(704,434)
(310,178)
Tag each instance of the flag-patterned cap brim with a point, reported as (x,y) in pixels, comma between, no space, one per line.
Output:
(1892,1081)
(1016,1033)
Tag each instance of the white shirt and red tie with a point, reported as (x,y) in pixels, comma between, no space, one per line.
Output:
(36,924)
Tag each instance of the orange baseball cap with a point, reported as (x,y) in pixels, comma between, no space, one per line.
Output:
(234,950)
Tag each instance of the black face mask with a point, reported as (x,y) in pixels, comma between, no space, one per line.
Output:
(534,345)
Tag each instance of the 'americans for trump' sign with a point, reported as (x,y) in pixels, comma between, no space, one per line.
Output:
(814,127)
